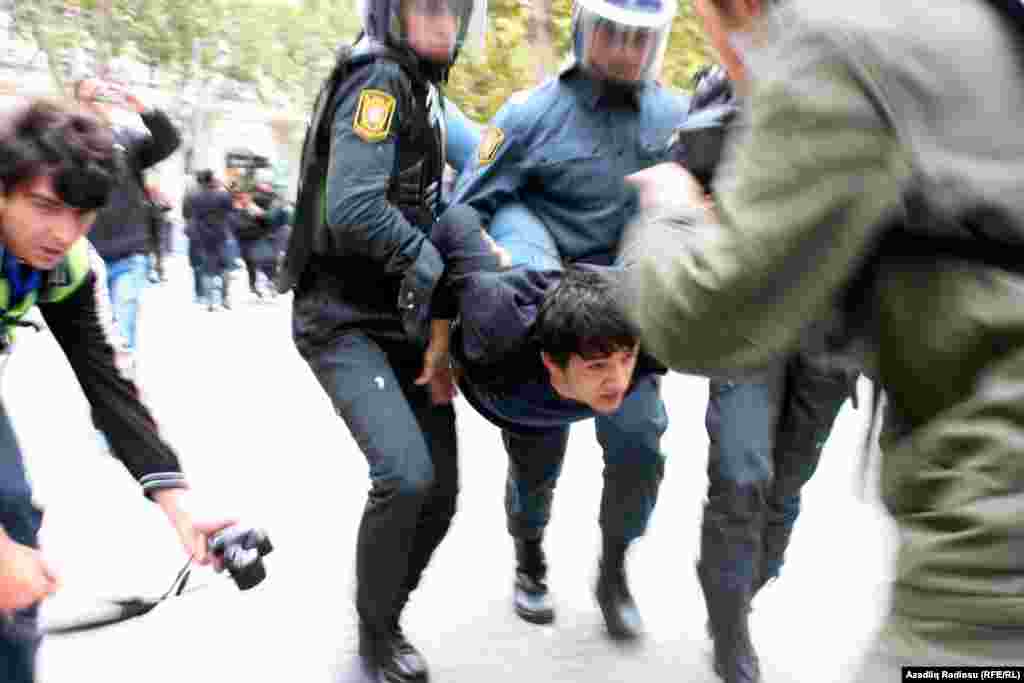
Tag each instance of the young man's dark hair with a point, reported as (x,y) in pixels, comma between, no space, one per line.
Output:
(45,138)
(58,168)
(580,315)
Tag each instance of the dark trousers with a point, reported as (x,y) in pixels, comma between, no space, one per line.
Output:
(259,257)
(766,439)
(20,520)
(410,446)
(197,263)
(633,468)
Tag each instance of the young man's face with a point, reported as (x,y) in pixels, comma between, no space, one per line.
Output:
(39,228)
(431,28)
(600,382)
(620,55)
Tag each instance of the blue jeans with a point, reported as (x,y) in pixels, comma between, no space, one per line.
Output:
(20,519)
(766,438)
(126,278)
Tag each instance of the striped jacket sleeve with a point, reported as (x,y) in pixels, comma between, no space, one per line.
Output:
(84,327)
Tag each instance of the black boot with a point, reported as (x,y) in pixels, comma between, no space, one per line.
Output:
(730,550)
(620,613)
(530,597)
(392,657)
(734,658)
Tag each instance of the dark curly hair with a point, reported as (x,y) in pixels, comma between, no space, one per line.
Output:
(582,315)
(43,137)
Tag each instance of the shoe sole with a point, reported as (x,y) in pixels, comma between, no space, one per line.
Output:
(539,618)
(383,677)
(621,634)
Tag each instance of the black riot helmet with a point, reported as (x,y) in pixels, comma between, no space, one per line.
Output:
(418,26)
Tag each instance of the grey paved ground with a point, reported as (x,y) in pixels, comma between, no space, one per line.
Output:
(259,439)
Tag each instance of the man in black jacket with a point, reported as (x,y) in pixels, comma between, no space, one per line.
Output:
(121,232)
(57,168)
(254,232)
(208,209)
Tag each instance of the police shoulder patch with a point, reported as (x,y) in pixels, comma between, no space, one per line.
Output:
(489,144)
(374,113)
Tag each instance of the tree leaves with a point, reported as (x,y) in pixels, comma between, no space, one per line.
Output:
(280,50)
(480,88)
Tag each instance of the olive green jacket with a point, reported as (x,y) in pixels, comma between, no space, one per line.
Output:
(845,115)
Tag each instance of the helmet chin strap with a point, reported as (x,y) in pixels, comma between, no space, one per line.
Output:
(433,71)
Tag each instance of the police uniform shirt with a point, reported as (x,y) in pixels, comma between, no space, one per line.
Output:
(564,148)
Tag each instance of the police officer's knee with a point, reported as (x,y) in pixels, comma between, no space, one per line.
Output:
(738,501)
(744,467)
(412,483)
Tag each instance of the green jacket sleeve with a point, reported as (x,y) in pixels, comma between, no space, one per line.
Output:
(804,193)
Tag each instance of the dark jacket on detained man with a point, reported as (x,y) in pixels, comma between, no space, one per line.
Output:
(492,343)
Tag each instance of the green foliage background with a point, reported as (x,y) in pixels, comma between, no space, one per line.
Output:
(284,48)
(481,86)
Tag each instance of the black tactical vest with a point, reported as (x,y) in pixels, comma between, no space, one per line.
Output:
(415,187)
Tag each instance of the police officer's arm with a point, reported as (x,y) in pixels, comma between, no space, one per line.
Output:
(496,173)
(799,206)
(163,139)
(84,327)
(360,218)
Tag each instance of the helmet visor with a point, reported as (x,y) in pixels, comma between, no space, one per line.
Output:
(617,51)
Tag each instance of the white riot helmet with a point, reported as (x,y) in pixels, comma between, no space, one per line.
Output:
(387,21)
(622,41)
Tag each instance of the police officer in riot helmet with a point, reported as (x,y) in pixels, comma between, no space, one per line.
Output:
(364,271)
(621,42)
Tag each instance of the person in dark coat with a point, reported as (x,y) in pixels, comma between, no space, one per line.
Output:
(122,229)
(209,209)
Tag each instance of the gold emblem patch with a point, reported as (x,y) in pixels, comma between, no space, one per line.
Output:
(489,144)
(373,115)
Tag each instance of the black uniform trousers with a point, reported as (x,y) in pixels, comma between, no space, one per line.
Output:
(410,446)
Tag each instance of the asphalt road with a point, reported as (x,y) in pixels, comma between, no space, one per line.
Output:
(259,439)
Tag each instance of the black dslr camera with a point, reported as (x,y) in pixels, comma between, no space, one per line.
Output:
(242,550)
(698,143)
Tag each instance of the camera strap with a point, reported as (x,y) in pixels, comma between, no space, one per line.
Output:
(119,609)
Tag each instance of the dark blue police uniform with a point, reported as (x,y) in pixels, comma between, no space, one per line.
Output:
(364,270)
(766,434)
